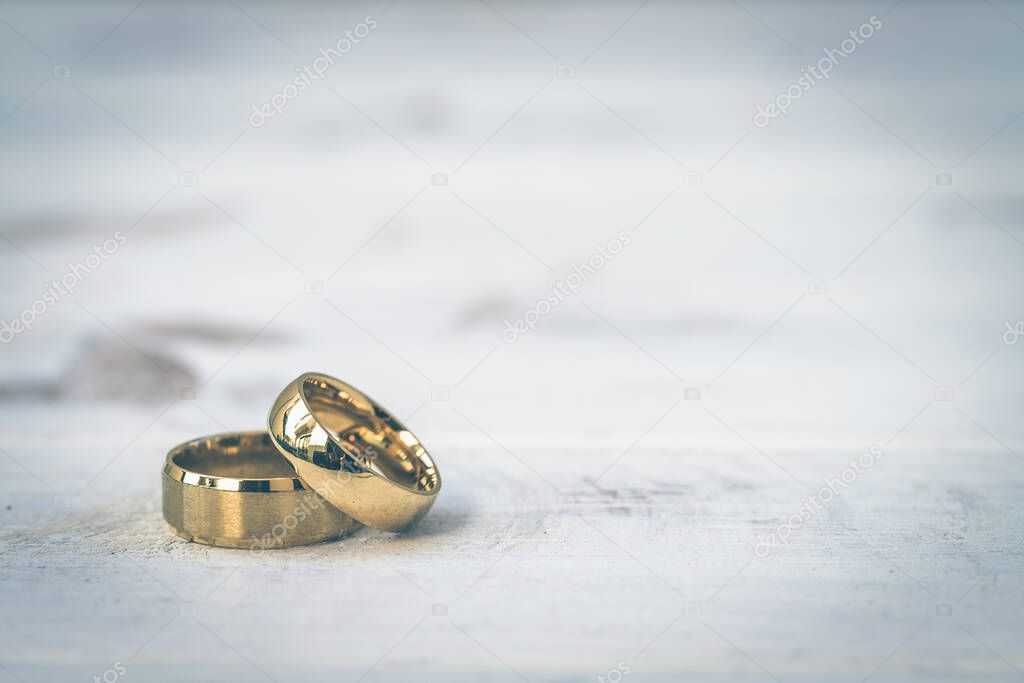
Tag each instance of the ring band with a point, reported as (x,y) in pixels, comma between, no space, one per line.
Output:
(235,490)
(351,451)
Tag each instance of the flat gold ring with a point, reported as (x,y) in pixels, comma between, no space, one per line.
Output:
(235,490)
(353,452)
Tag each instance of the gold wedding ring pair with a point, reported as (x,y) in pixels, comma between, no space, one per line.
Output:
(332,459)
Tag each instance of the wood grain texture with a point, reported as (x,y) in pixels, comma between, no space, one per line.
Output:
(609,475)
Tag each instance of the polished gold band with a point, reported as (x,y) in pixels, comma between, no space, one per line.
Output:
(351,451)
(235,490)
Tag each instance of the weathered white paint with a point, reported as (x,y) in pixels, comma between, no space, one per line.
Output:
(545,573)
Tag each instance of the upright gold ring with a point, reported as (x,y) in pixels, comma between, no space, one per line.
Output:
(235,490)
(353,452)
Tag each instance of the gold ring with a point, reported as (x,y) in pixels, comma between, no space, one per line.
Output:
(351,451)
(235,490)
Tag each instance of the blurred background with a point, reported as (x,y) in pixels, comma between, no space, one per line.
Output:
(202,200)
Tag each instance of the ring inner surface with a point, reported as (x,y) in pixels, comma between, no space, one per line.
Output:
(383,445)
(238,456)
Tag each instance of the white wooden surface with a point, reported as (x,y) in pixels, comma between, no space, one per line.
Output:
(591,514)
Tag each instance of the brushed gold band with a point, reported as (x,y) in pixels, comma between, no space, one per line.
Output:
(235,490)
(353,452)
